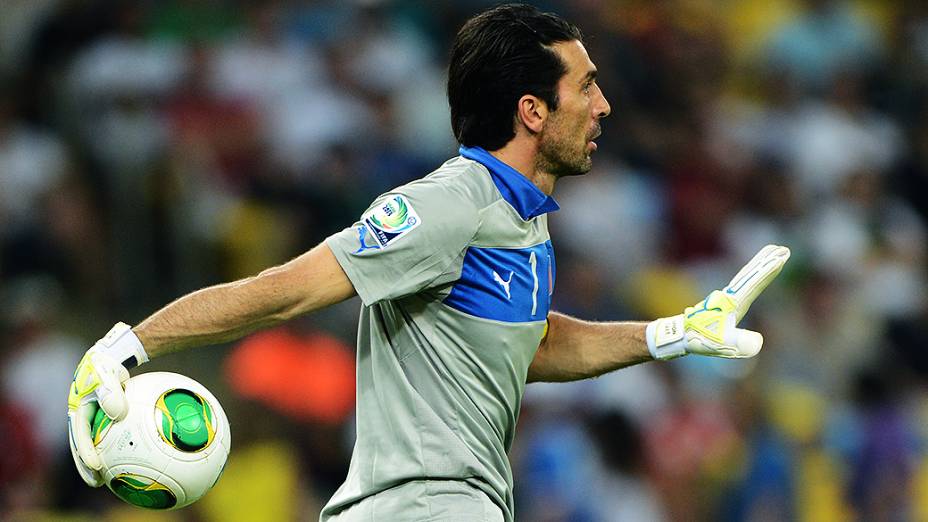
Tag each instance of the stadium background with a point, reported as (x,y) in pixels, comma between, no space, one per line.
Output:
(151,148)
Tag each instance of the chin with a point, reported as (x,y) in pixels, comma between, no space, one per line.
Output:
(585,170)
(565,165)
(584,166)
(576,170)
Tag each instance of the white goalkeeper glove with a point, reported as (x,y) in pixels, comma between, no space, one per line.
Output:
(99,380)
(709,328)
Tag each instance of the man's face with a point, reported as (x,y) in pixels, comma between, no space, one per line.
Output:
(566,141)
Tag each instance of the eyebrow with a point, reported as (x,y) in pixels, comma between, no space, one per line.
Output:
(589,76)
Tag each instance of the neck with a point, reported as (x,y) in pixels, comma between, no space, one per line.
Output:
(521,154)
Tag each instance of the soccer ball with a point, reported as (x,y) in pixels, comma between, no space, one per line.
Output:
(171,447)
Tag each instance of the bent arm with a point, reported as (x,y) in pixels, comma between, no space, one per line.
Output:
(228,311)
(574,349)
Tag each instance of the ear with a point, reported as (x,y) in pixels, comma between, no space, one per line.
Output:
(532,112)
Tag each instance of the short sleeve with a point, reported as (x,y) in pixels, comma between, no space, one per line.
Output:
(408,240)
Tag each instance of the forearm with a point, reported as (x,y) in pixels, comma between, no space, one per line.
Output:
(228,311)
(574,349)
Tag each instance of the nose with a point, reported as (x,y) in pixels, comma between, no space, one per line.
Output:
(601,107)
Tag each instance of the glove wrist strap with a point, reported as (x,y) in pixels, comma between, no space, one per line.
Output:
(666,339)
(122,344)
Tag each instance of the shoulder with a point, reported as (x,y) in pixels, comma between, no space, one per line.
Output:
(460,189)
(448,202)
(458,179)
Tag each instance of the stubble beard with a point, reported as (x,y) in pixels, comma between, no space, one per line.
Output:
(559,156)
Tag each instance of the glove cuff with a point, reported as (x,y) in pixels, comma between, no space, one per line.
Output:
(122,344)
(666,338)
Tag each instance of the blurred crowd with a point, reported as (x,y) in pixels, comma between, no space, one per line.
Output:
(149,148)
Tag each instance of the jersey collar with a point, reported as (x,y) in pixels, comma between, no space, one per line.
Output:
(528,200)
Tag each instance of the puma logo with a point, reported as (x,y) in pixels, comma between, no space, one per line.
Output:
(362,232)
(503,283)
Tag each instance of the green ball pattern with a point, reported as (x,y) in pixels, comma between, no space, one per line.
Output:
(100,423)
(186,420)
(142,492)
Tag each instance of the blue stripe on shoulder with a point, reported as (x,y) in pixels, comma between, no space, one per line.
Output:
(506,284)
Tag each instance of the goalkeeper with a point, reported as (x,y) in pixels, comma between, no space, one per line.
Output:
(455,272)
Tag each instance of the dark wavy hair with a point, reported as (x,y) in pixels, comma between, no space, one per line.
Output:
(497,57)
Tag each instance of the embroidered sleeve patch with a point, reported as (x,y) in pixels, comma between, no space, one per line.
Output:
(390,219)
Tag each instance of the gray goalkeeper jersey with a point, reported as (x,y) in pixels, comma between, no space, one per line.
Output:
(455,272)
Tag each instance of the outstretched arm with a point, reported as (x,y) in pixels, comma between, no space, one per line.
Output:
(573,349)
(228,311)
(216,314)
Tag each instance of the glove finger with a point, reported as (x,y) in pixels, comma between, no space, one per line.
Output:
(760,272)
(92,477)
(738,344)
(81,440)
(110,394)
(748,342)
(702,345)
(751,265)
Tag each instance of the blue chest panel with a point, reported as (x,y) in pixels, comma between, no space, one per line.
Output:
(506,284)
